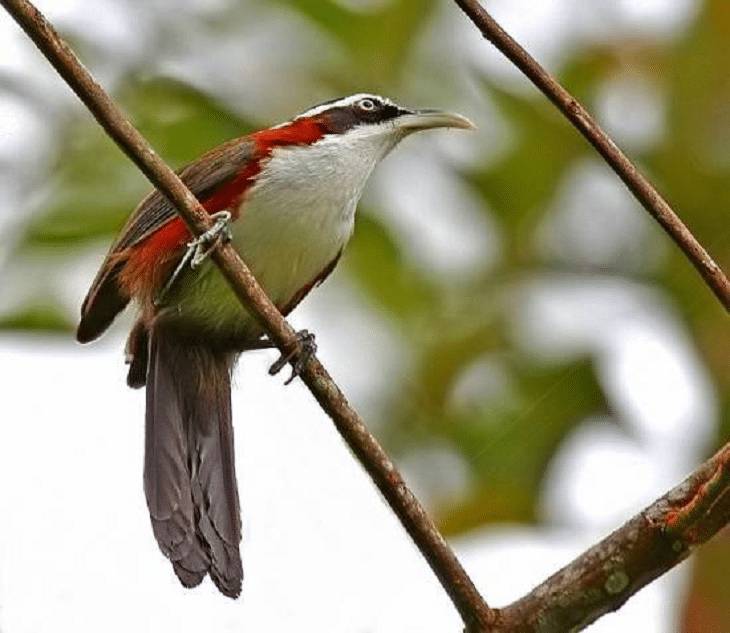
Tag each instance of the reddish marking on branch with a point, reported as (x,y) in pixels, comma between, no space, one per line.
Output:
(698,513)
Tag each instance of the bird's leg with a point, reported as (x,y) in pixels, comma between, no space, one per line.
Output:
(204,243)
(198,249)
(307,346)
(165,290)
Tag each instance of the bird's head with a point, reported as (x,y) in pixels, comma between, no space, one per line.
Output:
(348,136)
(367,113)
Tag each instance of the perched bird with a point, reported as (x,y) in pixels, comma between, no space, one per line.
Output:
(290,192)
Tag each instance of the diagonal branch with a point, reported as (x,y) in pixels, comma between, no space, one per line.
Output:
(603,578)
(665,533)
(637,183)
(475,613)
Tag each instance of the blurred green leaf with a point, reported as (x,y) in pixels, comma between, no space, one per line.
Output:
(378,41)
(36,317)
(180,121)
(508,444)
(375,262)
(96,186)
(519,187)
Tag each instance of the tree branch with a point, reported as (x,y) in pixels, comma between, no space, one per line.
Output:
(475,613)
(609,573)
(664,534)
(642,189)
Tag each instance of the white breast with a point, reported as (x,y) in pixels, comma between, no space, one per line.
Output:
(300,214)
(293,223)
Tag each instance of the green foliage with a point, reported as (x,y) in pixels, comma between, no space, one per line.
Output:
(378,268)
(378,42)
(96,186)
(37,317)
(83,206)
(180,121)
(519,187)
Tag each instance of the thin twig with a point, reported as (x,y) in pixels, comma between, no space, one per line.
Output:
(475,613)
(642,189)
(609,573)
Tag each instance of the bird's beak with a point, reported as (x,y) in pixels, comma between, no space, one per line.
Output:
(427,119)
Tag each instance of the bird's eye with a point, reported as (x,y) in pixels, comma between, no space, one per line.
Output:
(367,104)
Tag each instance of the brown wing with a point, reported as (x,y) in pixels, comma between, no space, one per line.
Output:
(203,177)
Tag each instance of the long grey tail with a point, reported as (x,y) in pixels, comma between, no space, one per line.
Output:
(189,471)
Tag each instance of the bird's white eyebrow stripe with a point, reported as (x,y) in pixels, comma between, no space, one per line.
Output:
(340,103)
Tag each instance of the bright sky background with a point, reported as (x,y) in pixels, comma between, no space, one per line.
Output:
(321,551)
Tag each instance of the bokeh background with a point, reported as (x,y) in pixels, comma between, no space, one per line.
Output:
(535,353)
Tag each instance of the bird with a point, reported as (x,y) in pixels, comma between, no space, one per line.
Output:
(286,197)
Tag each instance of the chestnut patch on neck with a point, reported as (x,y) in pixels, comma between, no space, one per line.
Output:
(299,132)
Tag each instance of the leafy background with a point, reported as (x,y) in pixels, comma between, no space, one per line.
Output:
(496,278)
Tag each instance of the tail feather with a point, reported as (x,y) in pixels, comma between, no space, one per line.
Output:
(190,479)
(214,478)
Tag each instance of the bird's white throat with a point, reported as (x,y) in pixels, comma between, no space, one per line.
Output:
(295,219)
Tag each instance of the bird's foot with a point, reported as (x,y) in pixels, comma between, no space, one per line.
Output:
(198,249)
(202,245)
(307,349)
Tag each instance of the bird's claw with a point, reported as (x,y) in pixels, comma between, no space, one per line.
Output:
(202,245)
(198,250)
(307,349)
